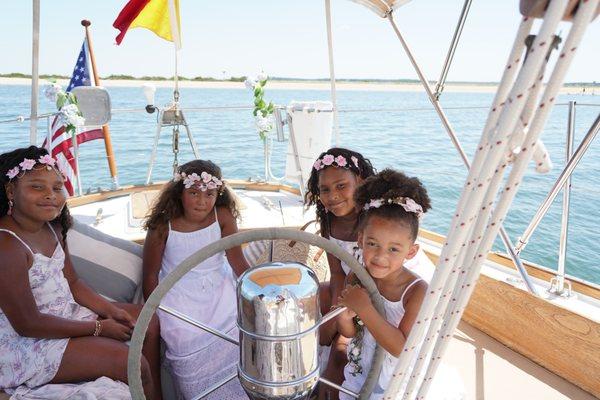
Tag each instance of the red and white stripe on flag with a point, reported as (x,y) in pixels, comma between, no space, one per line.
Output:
(61,148)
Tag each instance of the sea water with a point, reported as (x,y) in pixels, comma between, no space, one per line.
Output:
(392,128)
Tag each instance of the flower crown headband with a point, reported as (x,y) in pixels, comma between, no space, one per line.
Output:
(204,181)
(339,161)
(28,164)
(407,203)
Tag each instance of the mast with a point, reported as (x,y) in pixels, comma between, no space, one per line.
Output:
(110,156)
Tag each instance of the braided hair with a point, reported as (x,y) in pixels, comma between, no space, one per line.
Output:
(169,205)
(387,185)
(362,168)
(12,159)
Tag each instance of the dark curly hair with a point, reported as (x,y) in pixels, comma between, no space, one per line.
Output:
(363,170)
(169,206)
(390,184)
(12,159)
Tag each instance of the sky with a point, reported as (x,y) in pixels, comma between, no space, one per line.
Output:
(284,38)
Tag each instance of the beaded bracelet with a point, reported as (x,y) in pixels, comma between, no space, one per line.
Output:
(98,328)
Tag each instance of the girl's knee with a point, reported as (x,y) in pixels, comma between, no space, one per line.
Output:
(153,328)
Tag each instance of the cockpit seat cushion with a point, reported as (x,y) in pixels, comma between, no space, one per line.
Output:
(109,265)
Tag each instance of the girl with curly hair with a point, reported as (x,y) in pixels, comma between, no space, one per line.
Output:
(194,209)
(392,205)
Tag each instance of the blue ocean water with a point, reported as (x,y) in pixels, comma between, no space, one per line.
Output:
(413,141)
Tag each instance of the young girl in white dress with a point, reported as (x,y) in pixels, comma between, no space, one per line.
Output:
(193,210)
(391,205)
(54,330)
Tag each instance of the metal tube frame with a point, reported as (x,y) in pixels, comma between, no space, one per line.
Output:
(558,185)
(436,105)
(564,231)
(439,87)
(198,324)
(338,387)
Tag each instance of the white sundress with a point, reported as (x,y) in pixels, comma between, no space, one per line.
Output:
(446,385)
(195,358)
(28,364)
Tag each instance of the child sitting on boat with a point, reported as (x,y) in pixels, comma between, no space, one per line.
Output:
(391,205)
(195,209)
(53,328)
(334,178)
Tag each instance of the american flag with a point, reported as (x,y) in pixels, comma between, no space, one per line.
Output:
(61,144)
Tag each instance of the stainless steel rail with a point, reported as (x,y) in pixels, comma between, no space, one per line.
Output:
(458,31)
(559,184)
(558,283)
(198,324)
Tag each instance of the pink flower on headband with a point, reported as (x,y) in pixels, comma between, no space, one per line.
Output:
(27,164)
(190,180)
(354,160)
(63,170)
(211,185)
(412,206)
(375,203)
(47,159)
(12,172)
(328,159)
(318,165)
(206,177)
(341,161)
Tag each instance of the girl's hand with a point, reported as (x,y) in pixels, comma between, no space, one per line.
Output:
(355,298)
(348,314)
(120,315)
(115,330)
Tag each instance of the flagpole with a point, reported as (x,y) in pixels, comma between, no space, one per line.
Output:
(110,156)
(35,62)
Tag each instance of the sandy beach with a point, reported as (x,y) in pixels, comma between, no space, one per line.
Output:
(302,85)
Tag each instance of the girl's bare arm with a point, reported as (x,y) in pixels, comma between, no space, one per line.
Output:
(391,338)
(154,248)
(18,304)
(235,256)
(337,279)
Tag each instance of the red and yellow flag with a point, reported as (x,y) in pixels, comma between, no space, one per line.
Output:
(154,15)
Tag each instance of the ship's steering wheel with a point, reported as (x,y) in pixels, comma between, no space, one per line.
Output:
(152,303)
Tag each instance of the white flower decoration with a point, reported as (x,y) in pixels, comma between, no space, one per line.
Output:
(52,91)
(250,83)
(262,76)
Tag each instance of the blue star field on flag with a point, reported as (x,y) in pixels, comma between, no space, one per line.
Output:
(81,75)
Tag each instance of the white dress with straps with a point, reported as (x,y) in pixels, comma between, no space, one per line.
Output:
(446,385)
(27,363)
(197,359)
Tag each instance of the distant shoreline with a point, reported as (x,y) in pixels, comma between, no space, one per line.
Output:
(306,85)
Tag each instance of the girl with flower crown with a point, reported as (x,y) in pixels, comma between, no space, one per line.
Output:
(193,210)
(335,176)
(53,328)
(391,205)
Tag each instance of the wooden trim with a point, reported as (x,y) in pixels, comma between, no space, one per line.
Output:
(236,184)
(559,340)
(532,269)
